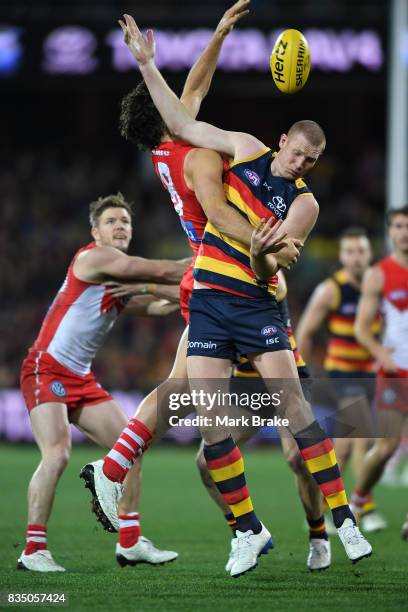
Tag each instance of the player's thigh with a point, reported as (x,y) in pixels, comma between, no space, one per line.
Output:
(275,364)
(103,422)
(50,425)
(280,375)
(179,369)
(202,368)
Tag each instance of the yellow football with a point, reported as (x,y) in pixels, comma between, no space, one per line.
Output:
(290,61)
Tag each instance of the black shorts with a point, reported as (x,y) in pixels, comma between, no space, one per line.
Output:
(223,325)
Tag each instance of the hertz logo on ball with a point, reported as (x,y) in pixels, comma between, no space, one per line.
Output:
(290,61)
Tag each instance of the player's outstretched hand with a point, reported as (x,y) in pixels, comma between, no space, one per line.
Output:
(231,17)
(142,49)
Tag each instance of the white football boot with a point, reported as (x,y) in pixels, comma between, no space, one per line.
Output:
(231,558)
(372,521)
(143,552)
(40,561)
(355,544)
(105,494)
(319,554)
(248,548)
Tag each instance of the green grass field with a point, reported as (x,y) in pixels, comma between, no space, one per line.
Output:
(176,513)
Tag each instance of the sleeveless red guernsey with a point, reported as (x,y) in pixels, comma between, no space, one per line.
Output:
(77,322)
(395,309)
(168,161)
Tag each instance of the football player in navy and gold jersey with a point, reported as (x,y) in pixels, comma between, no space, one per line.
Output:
(233,307)
(347,363)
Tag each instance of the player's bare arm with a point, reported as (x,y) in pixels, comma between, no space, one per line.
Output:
(272,250)
(180,123)
(148,305)
(203,170)
(166,292)
(369,303)
(298,224)
(323,299)
(264,234)
(108,263)
(301,217)
(200,76)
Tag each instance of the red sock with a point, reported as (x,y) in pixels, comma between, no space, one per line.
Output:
(129,529)
(359,498)
(131,443)
(36,539)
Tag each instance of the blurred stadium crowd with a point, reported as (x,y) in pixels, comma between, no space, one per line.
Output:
(44,196)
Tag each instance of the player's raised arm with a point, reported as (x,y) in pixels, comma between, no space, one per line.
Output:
(200,76)
(368,306)
(107,263)
(174,114)
(323,299)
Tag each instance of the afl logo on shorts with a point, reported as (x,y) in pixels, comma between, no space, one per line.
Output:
(58,388)
(269,330)
(252,177)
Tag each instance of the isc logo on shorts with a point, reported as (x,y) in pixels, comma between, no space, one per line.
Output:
(269,330)
(58,388)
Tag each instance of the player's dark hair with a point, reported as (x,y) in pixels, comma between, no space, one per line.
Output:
(393,212)
(101,204)
(140,121)
(354,232)
(311,130)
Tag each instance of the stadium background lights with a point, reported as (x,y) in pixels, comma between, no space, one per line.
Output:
(77,50)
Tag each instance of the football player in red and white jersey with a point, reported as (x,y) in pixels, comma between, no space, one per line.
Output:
(56,378)
(386,284)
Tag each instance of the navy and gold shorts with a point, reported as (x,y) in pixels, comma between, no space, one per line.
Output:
(223,325)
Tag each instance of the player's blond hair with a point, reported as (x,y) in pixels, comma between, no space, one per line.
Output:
(311,130)
(101,204)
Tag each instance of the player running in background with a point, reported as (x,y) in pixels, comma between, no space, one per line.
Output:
(56,378)
(233,302)
(349,364)
(386,285)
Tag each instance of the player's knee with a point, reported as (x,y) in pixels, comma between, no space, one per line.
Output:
(57,457)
